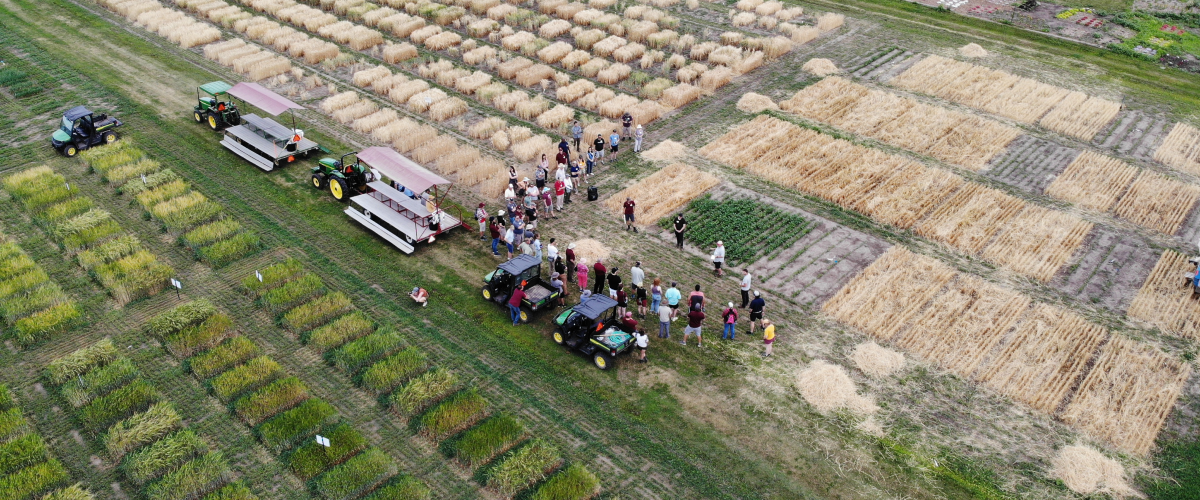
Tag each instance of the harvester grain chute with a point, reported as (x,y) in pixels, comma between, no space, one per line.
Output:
(215,106)
(263,141)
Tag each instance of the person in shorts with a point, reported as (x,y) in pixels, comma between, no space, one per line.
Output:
(695,321)
(718,258)
(629,205)
(642,341)
(756,310)
(673,296)
(640,297)
(768,337)
(614,143)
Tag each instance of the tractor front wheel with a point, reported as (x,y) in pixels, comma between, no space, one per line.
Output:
(110,137)
(69,150)
(196,115)
(558,337)
(318,181)
(602,361)
(337,188)
(487,294)
(212,122)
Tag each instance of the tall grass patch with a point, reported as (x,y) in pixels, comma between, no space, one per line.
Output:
(272,276)
(574,483)
(357,475)
(211,233)
(199,337)
(394,370)
(81,361)
(423,391)
(99,381)
(120,403)
(21,452)
(401,488)
(523,467)
(234,351)
(141,429)
(180,317)
(191,479)
(310,458)
(228,250)
(339,331)
(292,293)
(483,442)
(254,374)
(354,355)
(270,400)
(33,479)
(163,456)
(316,312)
(288,428)
(452,415)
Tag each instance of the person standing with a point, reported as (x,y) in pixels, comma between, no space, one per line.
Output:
(494,230)
(518,230)
(614,143)
(576,134)
(548,200)
(638,135)
(695,320)
(656,295)
(622,301)
(526,248)
(539,176)
(626,123)
(637,278)
(679,226)
(509,235)
(629,206)
(768,336)
(696,298)
(556,283)
(551,251)
(481,217)
(614,281)
(576,167)
(718,258)
(730,315)
(592,157)
(570,260)
(664,322)
(599,144)
(514,304)
(564,148)
(581,275)
(673,297)
(745,288)
(756,310)
(601,271)
(642,341)
(537,246)
(560,192)
(512,176)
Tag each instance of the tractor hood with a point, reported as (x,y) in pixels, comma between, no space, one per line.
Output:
(60,136)
(488,278)
(329,162)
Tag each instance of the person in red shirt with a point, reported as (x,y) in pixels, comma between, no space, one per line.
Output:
(494,230)
(629,206)
(629,325)
(600,272)
(560,190)
(570,262)
(622,302)
(514,304)
(695,320)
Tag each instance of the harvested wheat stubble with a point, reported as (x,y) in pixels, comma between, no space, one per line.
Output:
(1037,364)
(963,323)
(751,102)
(1164,301)
(1087,472)
(828,387)
(875,360)
(664,191)
(1128,395)
(1080,116)
(1181,149)
(820,67)
(886,294)
(972,50)
(970,218)
(665,151)
(1157,202)
(909,195)
(589,250)
(1038,241)
(1092,181)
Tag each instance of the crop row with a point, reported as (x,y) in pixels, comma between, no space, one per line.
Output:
(27,468)
(114,258)
(749,229)
(199,222)
(138,429)
(279,408)
(32,305)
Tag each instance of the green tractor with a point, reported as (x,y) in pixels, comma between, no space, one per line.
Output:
(342,178)
(216,107)
(80,129)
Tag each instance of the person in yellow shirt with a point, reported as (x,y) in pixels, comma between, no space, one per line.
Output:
(768,335)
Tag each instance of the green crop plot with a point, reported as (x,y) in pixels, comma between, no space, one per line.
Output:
(749,229)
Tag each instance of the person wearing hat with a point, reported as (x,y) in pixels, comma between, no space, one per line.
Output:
(556,282)
(628,324)
(420,296)
(718,258)
(570,261)
(756,310)
(730,315)
(637,138)
(481,217)
(768,336)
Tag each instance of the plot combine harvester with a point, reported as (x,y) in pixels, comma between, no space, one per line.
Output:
(262,141)
(218,108)
(80,129)
(406,210)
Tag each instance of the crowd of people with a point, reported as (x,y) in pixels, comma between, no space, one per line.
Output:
(514,229)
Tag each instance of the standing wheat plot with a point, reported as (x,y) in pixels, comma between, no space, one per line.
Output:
(1165,299)
(1181,149)
(882,298)
(1038,241)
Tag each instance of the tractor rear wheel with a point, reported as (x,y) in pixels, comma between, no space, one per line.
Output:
(110,137)
(212,122)
(337,188)
(196,115)
(524,315)
(318,181)
(602,361)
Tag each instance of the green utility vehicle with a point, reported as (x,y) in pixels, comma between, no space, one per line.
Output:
(80,129)
(521,270)
(590,328)
(216,106)
(342,178)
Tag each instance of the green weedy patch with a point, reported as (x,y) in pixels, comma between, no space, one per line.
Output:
(289,427)
(358,474)
(180,317)
(401,488)
(37,187)
(88,237)
(200,337)
(339,331)
(22,282)
(575,483)
(15,265)
(73,492)
(135,186)
(142,282)
(118,404)
(162,456)
(234,351)
(12,423)
(106,158)
(211,233)
(316,311)
(41,324)
(64,210)
(292,293)
(254,374)
(310,458)
(123,173)
(423,391)
(186,211)
(163,192)
(394,370)
(81,390)
(483,442)
(81,222)
(270,400)
(452,415)
(234,248)
(82,360)
(6,398)
(749,229)
(15,307)
(273,275)
(21,452)
(191,479)
(232,491)
(32,480)
(528,465)
(141,429)
(356,354)
(109,251)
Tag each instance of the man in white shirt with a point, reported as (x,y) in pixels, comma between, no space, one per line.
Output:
(551,251)
(642,342)
(718,258)
(746,277)
(636,277)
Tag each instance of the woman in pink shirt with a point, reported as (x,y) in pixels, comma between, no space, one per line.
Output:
(581,274)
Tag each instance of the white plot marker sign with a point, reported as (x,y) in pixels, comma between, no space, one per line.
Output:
(322,440)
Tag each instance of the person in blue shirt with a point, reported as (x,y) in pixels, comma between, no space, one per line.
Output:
(576,134)
(614,141)
(673,296)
